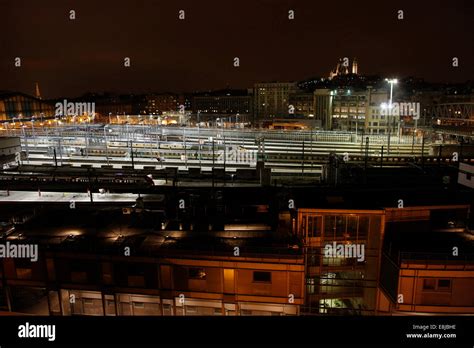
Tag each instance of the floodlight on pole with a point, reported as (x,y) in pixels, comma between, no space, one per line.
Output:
(391,82)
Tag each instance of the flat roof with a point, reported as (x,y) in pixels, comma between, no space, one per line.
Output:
(108,231)
(428,241)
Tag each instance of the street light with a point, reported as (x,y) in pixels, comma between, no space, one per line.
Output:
(391,82)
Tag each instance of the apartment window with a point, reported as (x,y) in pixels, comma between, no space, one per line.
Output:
(444,284)
(262,277)
(432,284)
(429,284)
(196,273)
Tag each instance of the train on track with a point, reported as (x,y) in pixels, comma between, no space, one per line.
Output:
(115,182)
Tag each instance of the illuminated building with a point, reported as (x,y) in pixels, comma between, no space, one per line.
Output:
(429,279)
(20,105)
(238,270)
(272,99)
(351,110)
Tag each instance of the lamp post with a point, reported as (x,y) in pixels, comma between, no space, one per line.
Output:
(13,126)
(185,150)
(33,129)
(199,134)
(106,147)
(414,135)
(391,82)
(26,143)
(56,125)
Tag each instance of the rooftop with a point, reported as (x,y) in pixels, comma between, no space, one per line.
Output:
(108,231)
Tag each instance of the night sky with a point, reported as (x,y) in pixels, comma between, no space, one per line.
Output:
(71,57)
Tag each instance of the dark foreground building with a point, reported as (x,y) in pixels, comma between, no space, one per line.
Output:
(104,262)
(246,251)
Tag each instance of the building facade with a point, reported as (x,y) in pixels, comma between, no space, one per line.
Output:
(352,110)
(427,262)
(402,270)
(337,283)
(156,104)
(19,106)
(272,99)
(79,285)
(224,102)
(303,104)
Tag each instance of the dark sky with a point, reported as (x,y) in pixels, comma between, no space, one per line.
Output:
(70,57)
